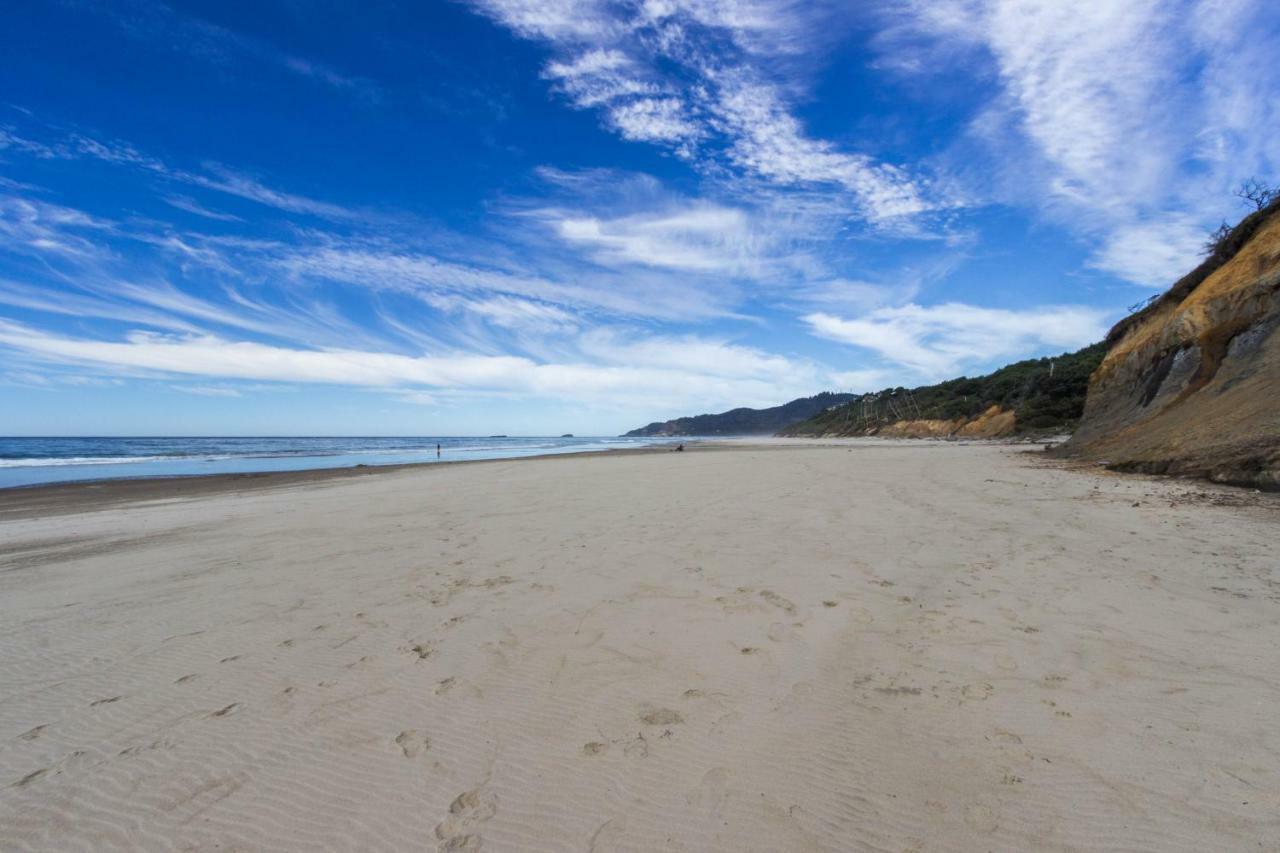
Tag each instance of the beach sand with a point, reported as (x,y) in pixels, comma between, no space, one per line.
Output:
(852,646)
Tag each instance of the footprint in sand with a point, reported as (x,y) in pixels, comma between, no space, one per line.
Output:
(423,650)
(30,777)
(595,748)
(652,716)
(778,601)
(458,831)
(899,691)
(977,692)
(411,742)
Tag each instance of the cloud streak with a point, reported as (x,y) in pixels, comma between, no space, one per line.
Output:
(939,341)
(672,372)
(659,72)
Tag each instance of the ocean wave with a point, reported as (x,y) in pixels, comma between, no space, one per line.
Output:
(498,447)
(44,461)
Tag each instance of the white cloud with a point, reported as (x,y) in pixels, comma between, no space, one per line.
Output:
(702,237)
(599,77)
(1152,254)
(1085,77)
(229,181)
(768,141)
(11,142)
(1111,117)
(654,120)
(190,205)
(556,20)
(391,270)
(207,390)
(507,312)
(215,176)
(721,107)
(942,341)
(690,353)
(30,225)
(680,374)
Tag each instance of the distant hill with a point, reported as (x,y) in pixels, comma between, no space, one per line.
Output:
(745,421)
(1036,395)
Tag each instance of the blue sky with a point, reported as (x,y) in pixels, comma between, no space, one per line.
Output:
(543,216)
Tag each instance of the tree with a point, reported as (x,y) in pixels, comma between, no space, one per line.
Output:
(1255,192)
(1217,238)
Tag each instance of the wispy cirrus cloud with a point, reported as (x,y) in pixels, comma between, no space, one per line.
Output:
(668,373)
(190,205)
(700,237)
(940,340)
(692,76)
(1125,121)
(507,312)
(208,390)
(212,176)
(31,223)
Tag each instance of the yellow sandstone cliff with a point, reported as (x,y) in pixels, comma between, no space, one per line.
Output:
(1191,384)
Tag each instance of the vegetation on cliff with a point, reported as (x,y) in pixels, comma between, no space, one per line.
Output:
(1044,394)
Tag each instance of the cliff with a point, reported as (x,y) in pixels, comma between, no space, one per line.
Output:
(1190,385)
(1034,396)
(745,421)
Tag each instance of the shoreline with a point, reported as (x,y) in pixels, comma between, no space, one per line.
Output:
(63,498)
(89,495)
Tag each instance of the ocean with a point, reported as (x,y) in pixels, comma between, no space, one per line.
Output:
(32,461)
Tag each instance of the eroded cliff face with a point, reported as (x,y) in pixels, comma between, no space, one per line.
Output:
(1191,385)
(995,422)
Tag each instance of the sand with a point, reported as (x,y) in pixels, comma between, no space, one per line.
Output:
(920,646)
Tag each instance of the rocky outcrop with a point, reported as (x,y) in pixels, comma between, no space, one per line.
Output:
(1191,384)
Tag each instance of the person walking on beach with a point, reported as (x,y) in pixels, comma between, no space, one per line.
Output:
(437,450)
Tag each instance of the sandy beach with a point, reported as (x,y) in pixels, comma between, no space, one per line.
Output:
(777,647)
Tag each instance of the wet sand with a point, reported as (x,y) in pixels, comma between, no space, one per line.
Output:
(843,646)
